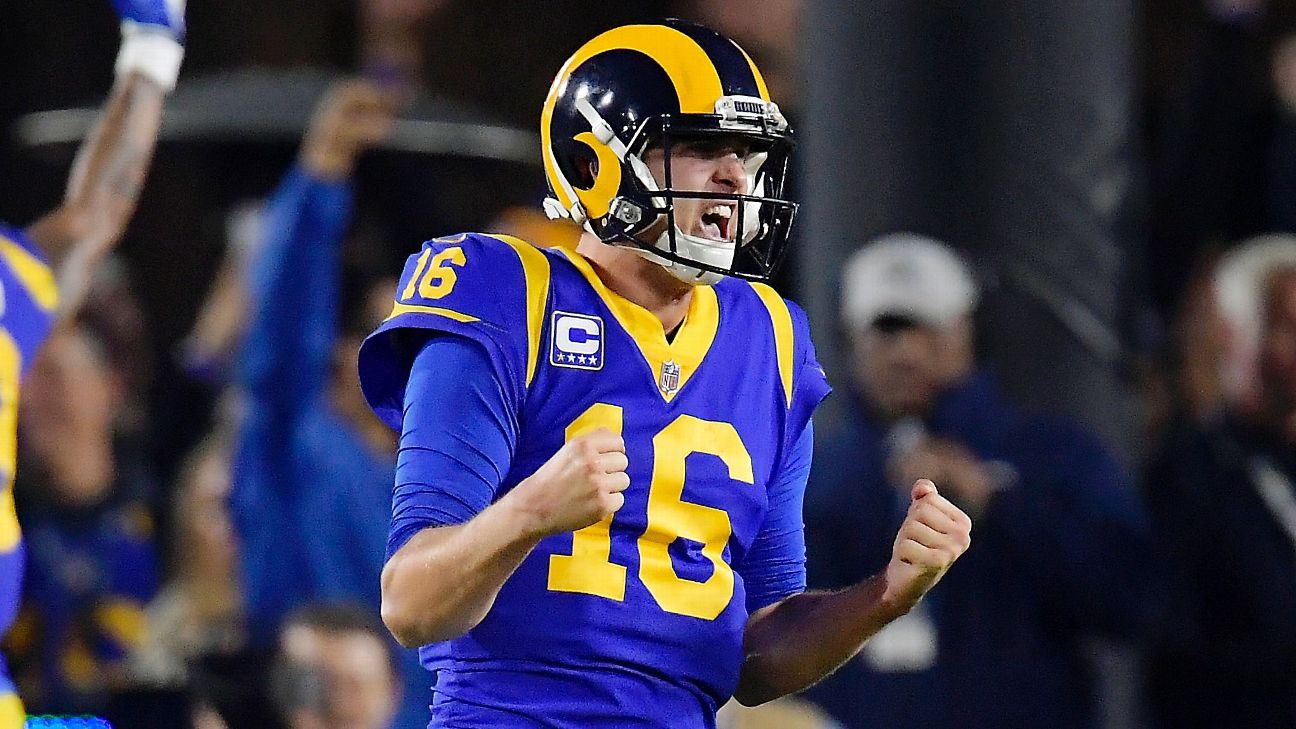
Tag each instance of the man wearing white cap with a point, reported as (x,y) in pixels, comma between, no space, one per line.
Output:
(1062,543)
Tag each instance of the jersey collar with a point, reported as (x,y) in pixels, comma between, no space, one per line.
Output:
(691,343)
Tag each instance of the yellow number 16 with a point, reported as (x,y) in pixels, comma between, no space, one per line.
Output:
(589,569)
(439,278)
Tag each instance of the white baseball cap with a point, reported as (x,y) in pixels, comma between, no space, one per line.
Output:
(908,275)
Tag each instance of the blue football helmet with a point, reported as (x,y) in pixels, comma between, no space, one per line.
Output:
(640,87)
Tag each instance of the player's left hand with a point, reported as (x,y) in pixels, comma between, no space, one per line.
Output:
(934,534)
(157,16)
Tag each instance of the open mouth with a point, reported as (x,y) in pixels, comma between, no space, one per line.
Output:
(717,220)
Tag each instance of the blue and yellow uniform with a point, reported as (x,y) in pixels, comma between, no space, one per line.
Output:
(28,301)
(636,621)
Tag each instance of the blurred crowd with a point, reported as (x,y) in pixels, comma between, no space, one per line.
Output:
(204,492)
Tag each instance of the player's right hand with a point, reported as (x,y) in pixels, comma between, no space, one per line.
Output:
(157,16)
(579,486)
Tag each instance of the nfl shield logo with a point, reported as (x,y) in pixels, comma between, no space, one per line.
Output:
(670,377)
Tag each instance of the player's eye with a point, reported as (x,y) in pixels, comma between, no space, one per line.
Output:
(712,148)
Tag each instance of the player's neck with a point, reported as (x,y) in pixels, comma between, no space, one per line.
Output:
(638,280)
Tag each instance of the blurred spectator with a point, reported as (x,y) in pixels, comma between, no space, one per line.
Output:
(199,611)
(312,465)
(1062,550)
(1222,493)
(84,488)
(336,670)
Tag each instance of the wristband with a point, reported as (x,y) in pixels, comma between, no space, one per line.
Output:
(154,54)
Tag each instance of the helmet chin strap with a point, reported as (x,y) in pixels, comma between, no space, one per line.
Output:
(691,275)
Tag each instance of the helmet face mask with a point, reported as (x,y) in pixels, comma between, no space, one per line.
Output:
(641,88)
(648,213)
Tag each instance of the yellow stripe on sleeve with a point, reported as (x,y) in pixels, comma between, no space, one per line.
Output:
(400,308)
(535,268)
(781,320)
(34,275)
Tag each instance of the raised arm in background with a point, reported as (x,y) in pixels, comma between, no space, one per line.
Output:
(111,164)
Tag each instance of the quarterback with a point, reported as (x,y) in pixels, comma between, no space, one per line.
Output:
(597,511)
(45,269)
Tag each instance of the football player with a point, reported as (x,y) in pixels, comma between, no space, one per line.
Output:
(46,268)
(597,514)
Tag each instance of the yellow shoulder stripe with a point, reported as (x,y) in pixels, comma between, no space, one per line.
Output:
(400,308)
(781,320)
(535,268)
(35,276)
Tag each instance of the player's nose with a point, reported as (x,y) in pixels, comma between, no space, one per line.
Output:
(730,173)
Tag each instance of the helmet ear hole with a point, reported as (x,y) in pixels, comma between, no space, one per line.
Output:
(588,169)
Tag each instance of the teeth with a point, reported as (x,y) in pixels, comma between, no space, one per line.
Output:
(723,211)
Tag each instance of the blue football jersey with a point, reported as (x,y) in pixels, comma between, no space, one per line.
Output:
(637,620)
(28,301)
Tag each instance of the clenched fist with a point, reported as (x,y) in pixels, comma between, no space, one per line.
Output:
(933,535)
(580,485)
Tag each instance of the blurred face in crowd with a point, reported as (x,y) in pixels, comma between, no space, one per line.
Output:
(357,674)
(903,366)
(1278,344)
(70,402)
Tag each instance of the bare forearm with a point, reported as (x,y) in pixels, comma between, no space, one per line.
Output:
(793,644)
(445,579)
(104,185)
